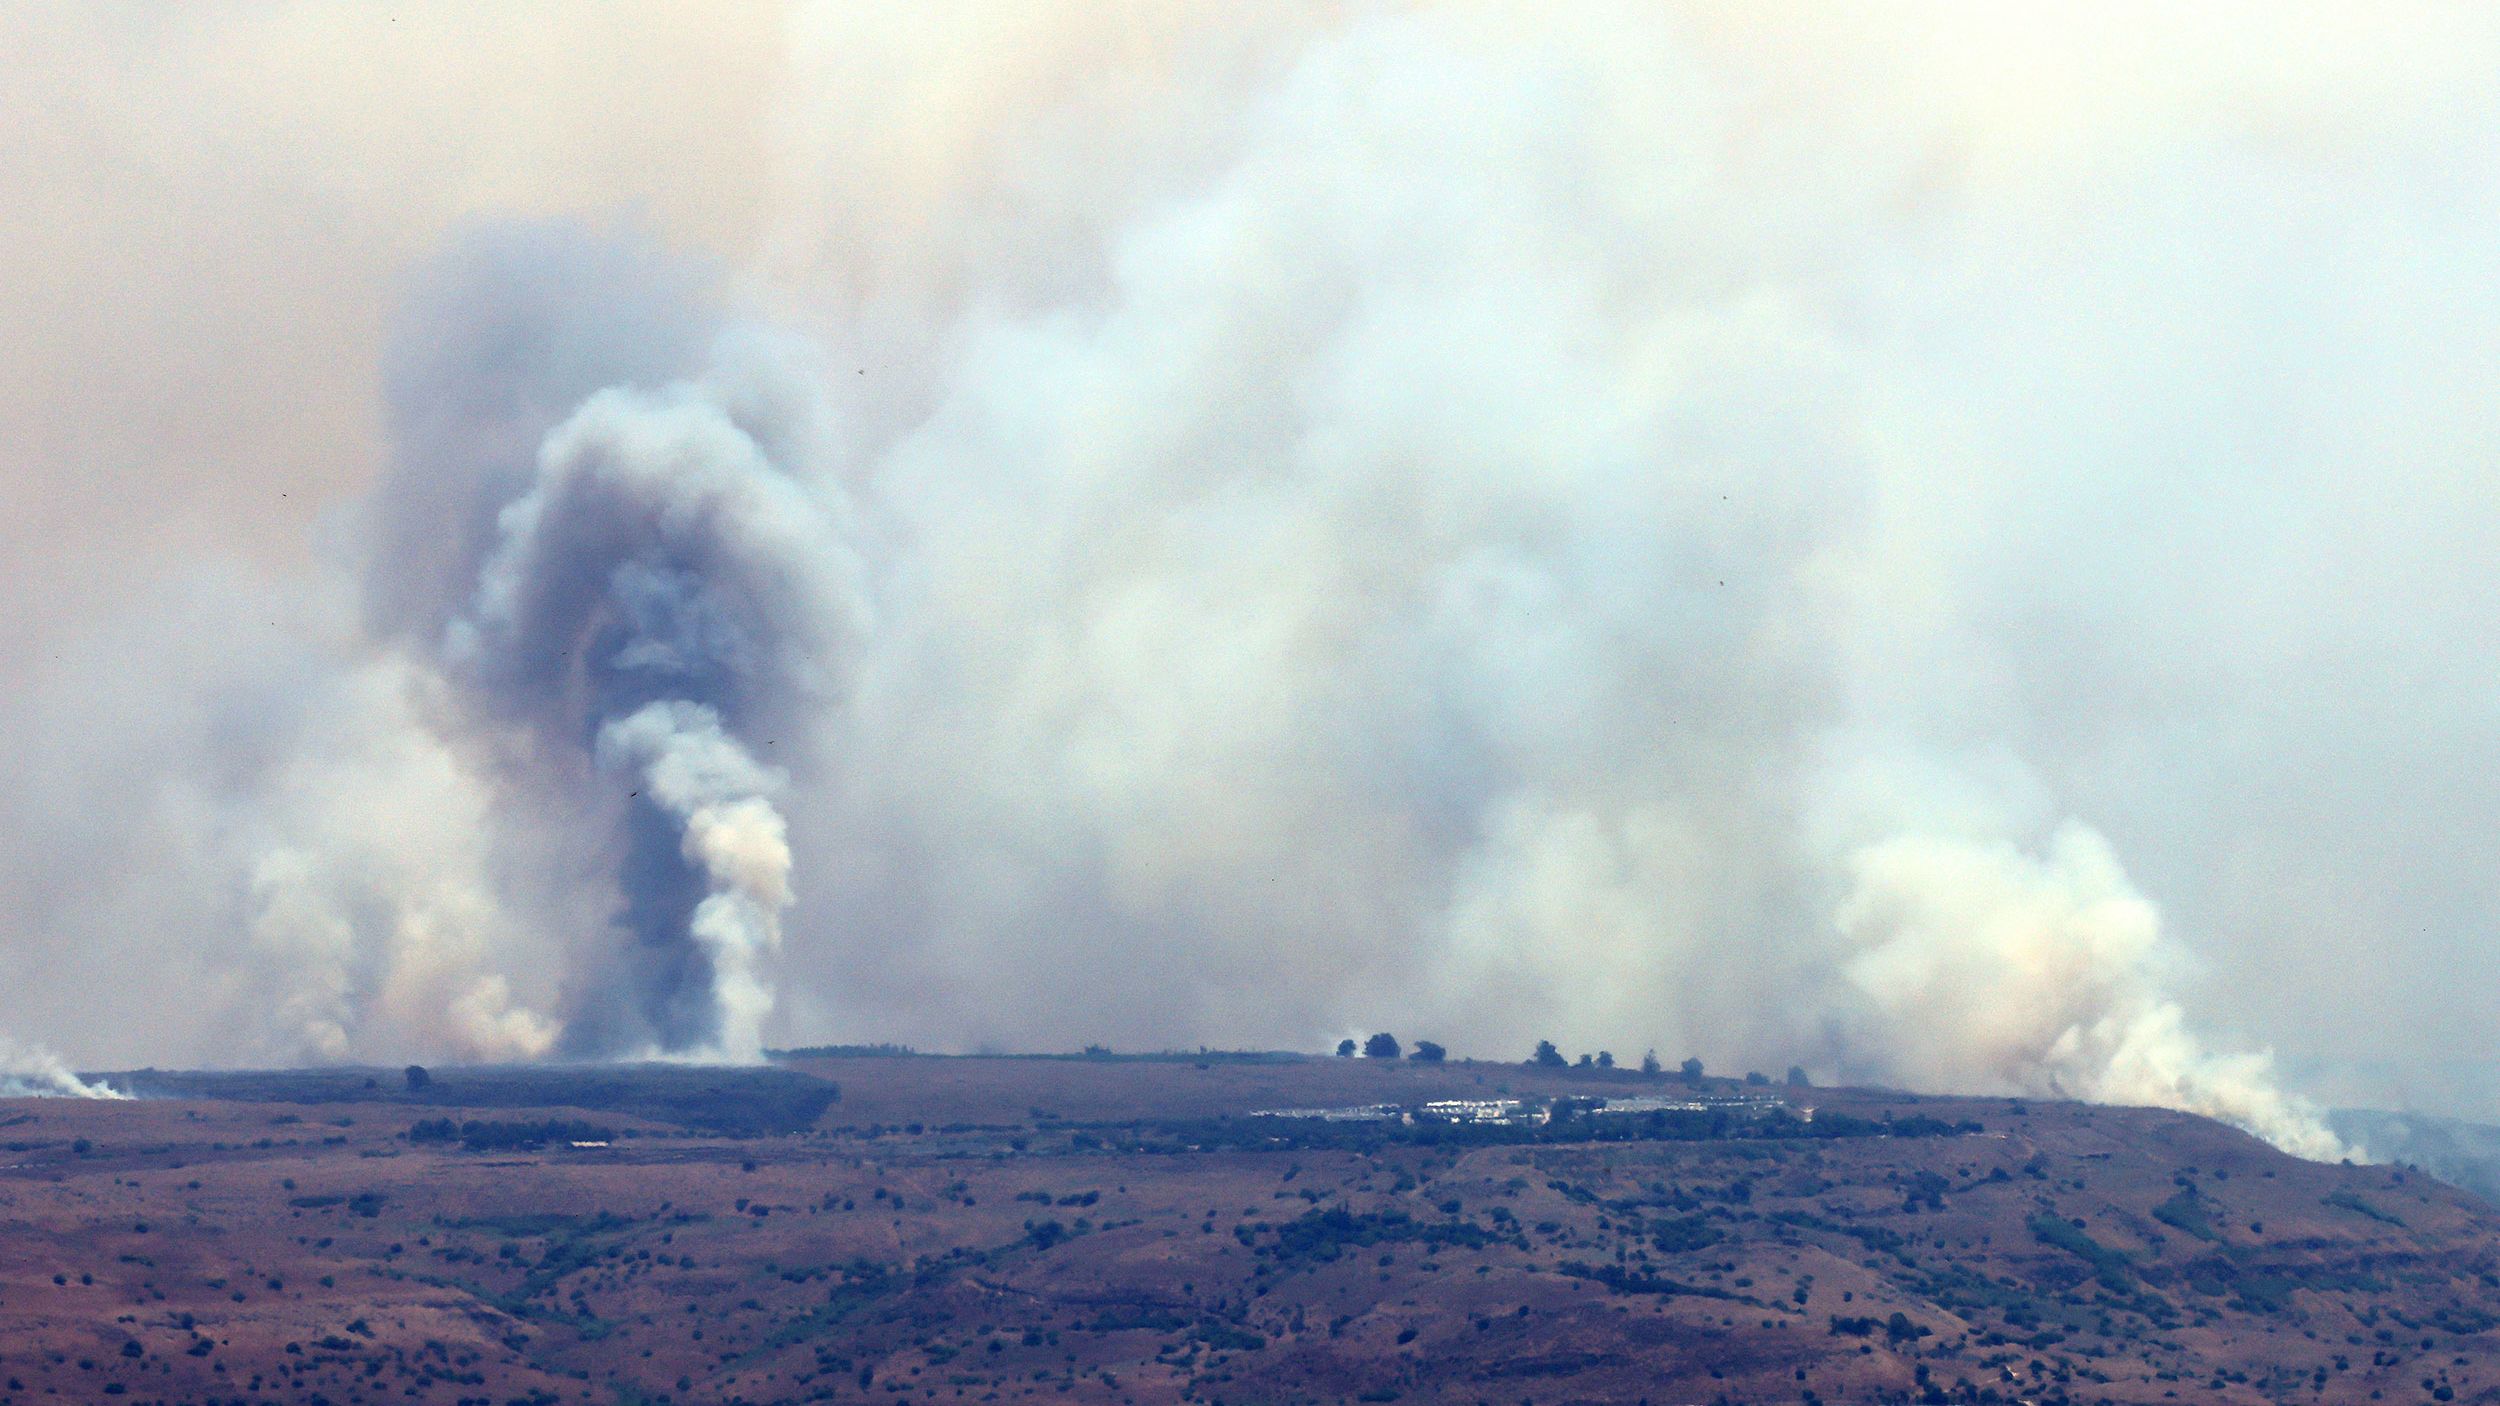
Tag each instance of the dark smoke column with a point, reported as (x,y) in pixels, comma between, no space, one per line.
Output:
(663,596)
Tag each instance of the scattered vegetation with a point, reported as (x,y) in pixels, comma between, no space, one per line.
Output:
(2110,1266)
(1321,1237)
(478,1136)
(1006,1250)
(2188,1213)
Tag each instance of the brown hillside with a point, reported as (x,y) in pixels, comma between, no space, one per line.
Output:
(1116,1231)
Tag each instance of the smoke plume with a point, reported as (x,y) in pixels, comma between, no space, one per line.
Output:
(26,1072)
(659,601)
(1628,524)
(1986,969)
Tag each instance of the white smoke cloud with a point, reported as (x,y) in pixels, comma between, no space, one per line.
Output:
(1983,968)
(257,850)
(374,921)
(707,780)
(27,1072)
(1265,522)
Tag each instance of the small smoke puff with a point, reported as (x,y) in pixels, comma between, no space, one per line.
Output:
(686,758)
(746,844)
(27,1072)
(2028,951)
(708,780)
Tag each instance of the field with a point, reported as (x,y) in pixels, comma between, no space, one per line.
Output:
(898,1228)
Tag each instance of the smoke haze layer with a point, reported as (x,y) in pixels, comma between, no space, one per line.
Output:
(1774,536)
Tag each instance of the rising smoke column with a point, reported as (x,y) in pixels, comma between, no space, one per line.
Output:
(702,778)
(662,604)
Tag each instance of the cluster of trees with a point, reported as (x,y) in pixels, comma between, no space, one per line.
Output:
(1690,1071)
(1548,1057)
(1322,1237)
(1385,1046)
(1899,1328)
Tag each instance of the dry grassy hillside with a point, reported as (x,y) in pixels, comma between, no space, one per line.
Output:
(981,1230)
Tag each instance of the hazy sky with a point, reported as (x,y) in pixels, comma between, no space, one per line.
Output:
(1944,542)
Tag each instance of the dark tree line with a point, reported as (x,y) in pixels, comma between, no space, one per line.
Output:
(1548,1056)
(1385,1046)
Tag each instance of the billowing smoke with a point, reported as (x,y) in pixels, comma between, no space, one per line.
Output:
(26,1072)
(1634,525)
(1984,968)
(370,913)
(662,601)
(737,841)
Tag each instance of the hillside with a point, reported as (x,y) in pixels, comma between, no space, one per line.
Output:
(1124,1231)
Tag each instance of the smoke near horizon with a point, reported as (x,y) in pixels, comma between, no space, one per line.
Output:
(1940,550)
(34,1073)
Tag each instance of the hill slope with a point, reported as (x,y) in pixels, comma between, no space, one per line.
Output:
(1056,1230)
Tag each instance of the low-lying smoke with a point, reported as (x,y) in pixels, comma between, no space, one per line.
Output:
(27,1072)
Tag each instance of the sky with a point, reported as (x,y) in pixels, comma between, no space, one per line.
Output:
(1943,543)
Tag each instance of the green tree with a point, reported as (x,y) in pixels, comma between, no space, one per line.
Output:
(1649,1063)
(1547,1056)
(1605,1060)
(1428,1052)
(1345,1049)
(1381,1046)
(1691,1070)
(1797,1077)
(418,1078)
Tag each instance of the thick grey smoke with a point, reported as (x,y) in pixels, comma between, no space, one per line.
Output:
(1628,524)
(662,598)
